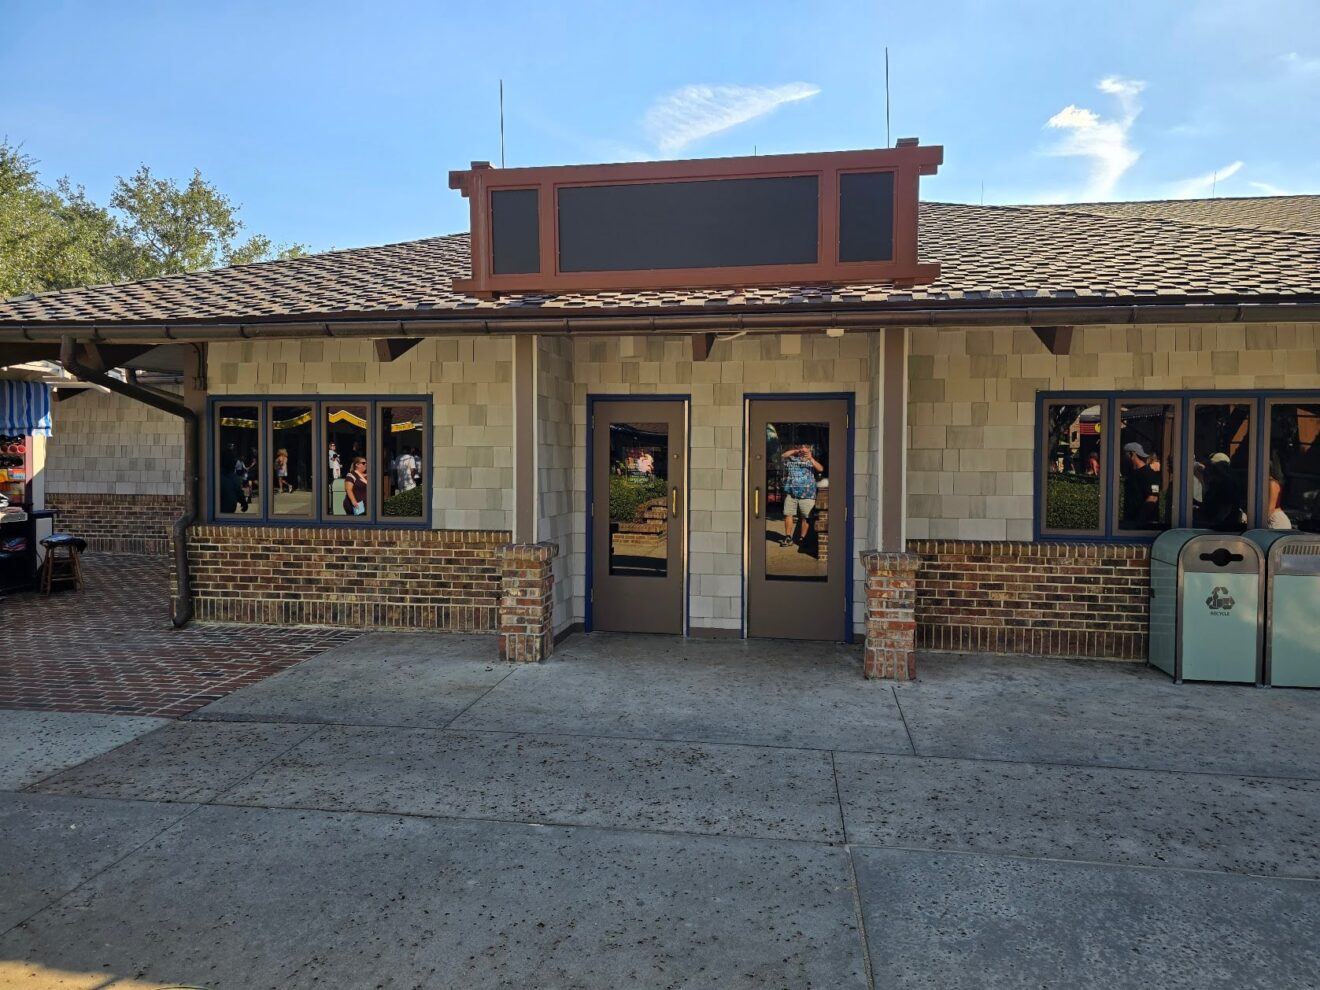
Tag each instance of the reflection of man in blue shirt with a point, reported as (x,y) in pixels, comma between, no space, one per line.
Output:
(800,467)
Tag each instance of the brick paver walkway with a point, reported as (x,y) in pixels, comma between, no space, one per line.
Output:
(111,648)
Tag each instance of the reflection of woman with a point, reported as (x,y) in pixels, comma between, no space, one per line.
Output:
(355,488)
(1275,517)
(282,471)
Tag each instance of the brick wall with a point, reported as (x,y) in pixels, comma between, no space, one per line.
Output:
(440,580)
(118,523)
(1044,599)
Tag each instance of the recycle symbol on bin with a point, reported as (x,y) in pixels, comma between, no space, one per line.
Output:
(1220,600)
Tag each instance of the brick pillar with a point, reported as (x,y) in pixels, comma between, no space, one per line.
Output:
(891,623)
(527,607)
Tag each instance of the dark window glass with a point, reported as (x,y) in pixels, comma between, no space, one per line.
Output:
(515,229)
(1293,487)
(1147,437)
(712,223)
(639,499)
(291,472)
(347,478)
(400,476)
(238,461)
(1074,469)
(1223,473)
(866,216)
(797,501)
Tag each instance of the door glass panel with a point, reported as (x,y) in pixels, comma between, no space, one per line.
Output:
(348,486)
(797,501)
(1221,468)
(1074,471)
(1146,438)
(1293,491)
(402,429)
(291,491)
(237,467)
(639,499)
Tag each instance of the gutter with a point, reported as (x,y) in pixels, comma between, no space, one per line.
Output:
(778,321)
(181,610)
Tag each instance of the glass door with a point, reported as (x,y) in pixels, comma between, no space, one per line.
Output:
(639,504)
(798,493)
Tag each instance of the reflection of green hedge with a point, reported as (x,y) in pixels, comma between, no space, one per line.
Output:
(628,493)
(1072,502)
(407,503)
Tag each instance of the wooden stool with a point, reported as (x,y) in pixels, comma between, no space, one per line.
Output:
(63,561)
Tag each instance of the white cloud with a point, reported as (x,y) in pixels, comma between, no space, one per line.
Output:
(1201,186)
(1268,189)
(1301,65)
(686,115)
(1106,142)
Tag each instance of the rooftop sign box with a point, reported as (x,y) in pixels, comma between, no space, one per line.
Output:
(843,216)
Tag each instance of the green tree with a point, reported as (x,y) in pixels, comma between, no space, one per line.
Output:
(57,238)
(170,229)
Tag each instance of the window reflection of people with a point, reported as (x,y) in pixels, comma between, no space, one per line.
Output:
(1275,517)
(336,468)
(800,467)
(406,471)
(645,463)
(355,488)
(1222,507)
(233,483)
(282,471)
(1141,488)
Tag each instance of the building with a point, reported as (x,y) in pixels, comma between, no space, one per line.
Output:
(586,388)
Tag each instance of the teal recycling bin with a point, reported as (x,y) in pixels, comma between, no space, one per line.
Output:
(1292,606)
(1207,606)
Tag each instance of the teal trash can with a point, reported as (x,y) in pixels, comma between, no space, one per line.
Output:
(1207,606)
(1292,606)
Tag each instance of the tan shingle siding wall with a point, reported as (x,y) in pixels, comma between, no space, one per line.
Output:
(971,410)
(560,498)
(468,378)
(102,443)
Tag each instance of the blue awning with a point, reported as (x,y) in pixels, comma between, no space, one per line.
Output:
(24,408)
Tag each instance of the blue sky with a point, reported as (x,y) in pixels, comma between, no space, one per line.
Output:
(335,124)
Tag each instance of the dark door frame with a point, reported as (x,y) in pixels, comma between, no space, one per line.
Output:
(687,499)
(851,399)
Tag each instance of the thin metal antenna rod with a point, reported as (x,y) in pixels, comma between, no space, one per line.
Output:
(501,123)
(888,143)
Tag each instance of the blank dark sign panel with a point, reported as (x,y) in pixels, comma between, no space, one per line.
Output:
(515,231)
(866,216)
(708,223)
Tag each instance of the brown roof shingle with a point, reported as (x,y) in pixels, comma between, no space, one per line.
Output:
(1300,213)
(989,255)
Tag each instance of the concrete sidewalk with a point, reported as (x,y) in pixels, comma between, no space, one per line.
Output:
(656,812)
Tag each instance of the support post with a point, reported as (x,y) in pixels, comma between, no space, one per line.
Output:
(527,601)
(891,427)
(524,439)
(891,622)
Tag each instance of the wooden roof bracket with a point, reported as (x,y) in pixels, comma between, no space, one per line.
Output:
(1057,340)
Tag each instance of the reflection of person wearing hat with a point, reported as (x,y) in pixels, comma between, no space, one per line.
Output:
(1141,489)
(1222,508)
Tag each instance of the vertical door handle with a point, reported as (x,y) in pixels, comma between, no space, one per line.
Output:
(756,503)
(673,503)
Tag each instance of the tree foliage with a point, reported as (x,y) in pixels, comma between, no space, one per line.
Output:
(55,237)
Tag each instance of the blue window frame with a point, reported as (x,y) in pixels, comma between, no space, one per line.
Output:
(1228,460)
(314,459)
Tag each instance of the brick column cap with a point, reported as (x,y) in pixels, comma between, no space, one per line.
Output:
(529,551)
(888,561)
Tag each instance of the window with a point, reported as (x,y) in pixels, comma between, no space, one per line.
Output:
(1073,467)
(1292,496)
(1147,453)
(354,461)
(1127,466)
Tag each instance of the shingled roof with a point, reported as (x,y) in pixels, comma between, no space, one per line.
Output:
(990,256)
(1244,212)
